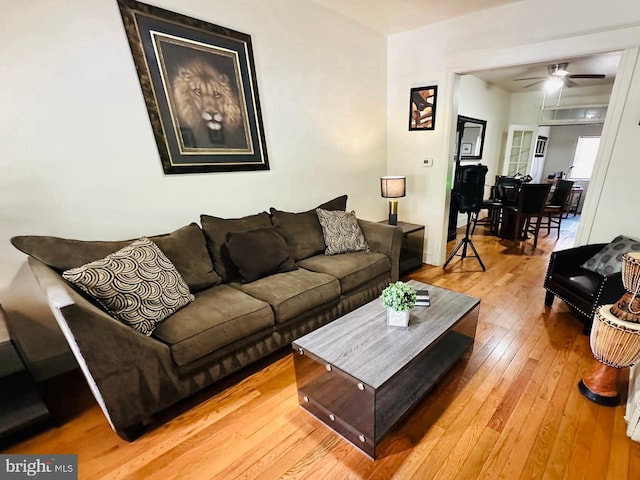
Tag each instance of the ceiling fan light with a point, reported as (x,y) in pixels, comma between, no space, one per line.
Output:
(559,69)
(553,84)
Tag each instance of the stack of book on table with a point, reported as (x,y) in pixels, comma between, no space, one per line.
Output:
(422,298)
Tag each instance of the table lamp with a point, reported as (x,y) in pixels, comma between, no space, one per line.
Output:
(393,187)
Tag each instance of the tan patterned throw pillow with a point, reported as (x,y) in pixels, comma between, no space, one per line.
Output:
(137,284)
(341,232)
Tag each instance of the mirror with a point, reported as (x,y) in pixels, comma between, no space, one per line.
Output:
(471,137)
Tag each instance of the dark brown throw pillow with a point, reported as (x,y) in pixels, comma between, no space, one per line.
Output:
(259,253)
(216,229)
(302,231)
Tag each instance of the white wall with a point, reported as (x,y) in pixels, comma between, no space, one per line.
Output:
(616,205)
(77,152)
(561,147)
(561,150)
(524,108)
(500,37)
(479,99)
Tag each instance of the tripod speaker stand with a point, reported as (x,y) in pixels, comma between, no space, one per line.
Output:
(470,190)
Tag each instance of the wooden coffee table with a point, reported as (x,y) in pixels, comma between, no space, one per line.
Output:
(360,377)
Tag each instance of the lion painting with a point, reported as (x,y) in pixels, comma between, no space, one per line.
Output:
(208,109)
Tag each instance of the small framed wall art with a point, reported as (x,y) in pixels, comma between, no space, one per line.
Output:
(422,108)
(541,146)
(199,85)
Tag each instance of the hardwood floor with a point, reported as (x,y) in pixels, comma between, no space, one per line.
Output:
(511,411)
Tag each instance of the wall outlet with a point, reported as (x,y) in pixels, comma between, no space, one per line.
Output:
(427,162)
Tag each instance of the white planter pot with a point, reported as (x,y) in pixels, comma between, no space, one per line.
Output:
(398,319)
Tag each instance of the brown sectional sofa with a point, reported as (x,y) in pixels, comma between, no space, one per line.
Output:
(229,325)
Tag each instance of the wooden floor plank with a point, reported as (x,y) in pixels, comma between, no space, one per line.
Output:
(510,410)
(565,440)
(512,396)
(478,456)
(620,448)
(546,435)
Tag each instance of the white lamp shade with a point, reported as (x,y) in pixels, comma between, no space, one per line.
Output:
(393,186)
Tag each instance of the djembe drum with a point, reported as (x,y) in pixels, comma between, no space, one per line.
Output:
(615,338)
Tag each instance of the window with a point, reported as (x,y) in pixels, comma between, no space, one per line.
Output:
(585,157)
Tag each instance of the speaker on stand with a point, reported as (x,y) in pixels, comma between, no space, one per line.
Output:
(470,190)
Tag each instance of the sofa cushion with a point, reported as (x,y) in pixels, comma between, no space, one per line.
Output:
(216,230)
(218,317)
(258,253)
(584,284)
(302,231)
(293,293)
(137,284)
(341,232)
(351,269)
(186,248)
(609,260)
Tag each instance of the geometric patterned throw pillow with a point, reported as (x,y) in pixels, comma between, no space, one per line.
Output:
(341,232)
(137,284)
(609,260)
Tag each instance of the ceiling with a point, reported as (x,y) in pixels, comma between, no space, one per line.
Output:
(395,16)
(604,63)
(389,17)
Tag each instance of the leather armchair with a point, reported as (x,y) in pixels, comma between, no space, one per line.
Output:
(582,290)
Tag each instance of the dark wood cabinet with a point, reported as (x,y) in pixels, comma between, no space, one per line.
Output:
(412,246)
(20,403)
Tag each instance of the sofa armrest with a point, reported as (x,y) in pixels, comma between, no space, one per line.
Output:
(121,365)
(384,238)
(611,289)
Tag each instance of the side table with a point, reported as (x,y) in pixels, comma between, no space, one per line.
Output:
(573,201)
(20,403)
(412,246)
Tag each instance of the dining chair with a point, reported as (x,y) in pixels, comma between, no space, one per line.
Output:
(492,220)
(507,181)
(503,192)
(530,206)
(493,206)
(507,189)
(555,208)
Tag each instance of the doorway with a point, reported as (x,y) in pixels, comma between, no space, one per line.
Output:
(525,121)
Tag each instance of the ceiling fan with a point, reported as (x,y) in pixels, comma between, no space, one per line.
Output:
(559,74)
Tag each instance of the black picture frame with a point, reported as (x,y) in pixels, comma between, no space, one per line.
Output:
(541,146)
(471,131)
(422,108)
(199,85)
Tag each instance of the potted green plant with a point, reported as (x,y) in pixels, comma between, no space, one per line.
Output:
(399,298)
